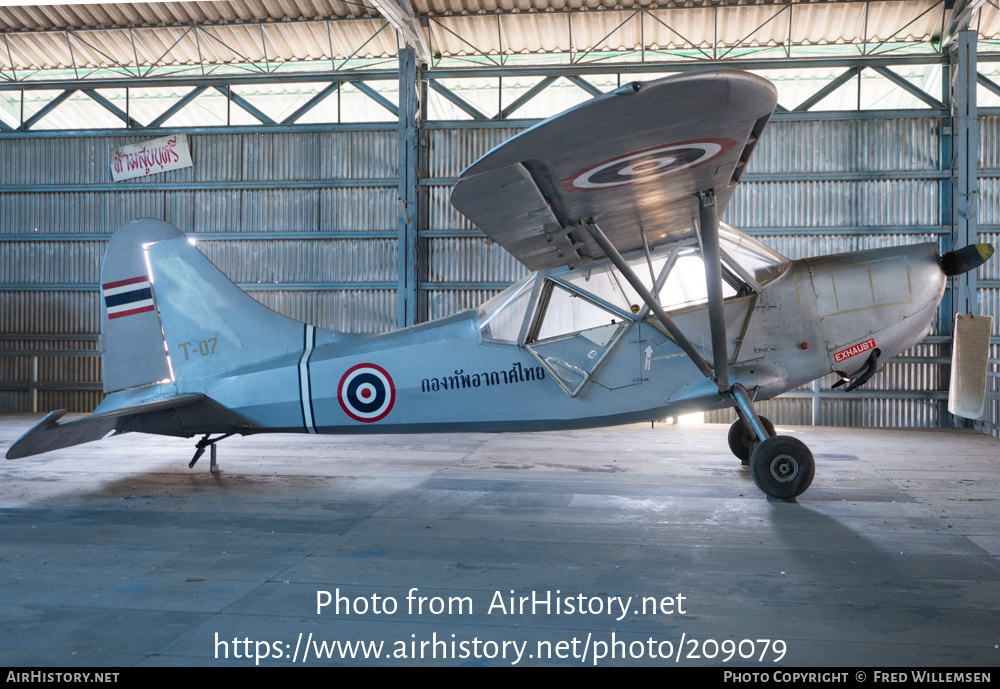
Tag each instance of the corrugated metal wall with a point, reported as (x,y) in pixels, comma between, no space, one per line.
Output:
(989,274)
(307,222)
(462,271)
(304,221)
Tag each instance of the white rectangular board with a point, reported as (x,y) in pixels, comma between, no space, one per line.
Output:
(150,157)
(969,355)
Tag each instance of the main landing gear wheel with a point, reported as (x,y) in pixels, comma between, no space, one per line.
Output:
(740,441)
(782,467)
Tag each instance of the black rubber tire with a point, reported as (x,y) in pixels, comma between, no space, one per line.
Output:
(740,441)
(782,467)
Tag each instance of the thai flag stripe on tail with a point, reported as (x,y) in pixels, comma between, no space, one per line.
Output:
(128,297)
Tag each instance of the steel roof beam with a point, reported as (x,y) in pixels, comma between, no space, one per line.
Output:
(166,52)
(677,66)
(29,82)
(990,85)
(475,49)
(10,58)
(961,15)
(456,100)
(111,107)
(531,93)
(246,60)
(178,106)
(828,89)
(49,107)
(402,17)
(585,85)
(908,87)
(244,104)
(207,81)
(377,97)
(755,30)
(675,31)
(109,58)
(900,30)
(311,103)
(637,13)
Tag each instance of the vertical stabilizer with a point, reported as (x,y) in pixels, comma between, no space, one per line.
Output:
(211,326)
(131,336)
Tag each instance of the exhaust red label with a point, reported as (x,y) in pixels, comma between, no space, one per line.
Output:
(853,351)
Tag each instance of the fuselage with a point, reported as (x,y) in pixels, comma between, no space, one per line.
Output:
(539,369)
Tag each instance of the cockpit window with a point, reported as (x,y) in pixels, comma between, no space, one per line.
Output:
(573,335)
(686,286)
(501,318)
(567,312)
(561,302)
(761,263)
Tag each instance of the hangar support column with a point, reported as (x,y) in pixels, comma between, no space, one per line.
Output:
(964,197)
(408,264)
(964,169)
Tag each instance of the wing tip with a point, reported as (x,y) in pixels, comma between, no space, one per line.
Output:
(24,446)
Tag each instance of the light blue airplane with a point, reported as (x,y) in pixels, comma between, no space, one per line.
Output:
(643,304)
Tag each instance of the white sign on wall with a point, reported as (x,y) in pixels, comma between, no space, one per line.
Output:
(150,157)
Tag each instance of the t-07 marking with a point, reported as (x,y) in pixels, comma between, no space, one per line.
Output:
(201,347)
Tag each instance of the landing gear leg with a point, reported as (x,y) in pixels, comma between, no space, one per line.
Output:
(781,466)
(744,408)
(743,442)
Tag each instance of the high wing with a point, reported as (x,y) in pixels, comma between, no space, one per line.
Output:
(632,161)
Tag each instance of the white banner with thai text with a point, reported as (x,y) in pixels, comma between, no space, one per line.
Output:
(150,157)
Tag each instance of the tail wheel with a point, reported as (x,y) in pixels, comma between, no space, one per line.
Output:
(782,467)
(741,442)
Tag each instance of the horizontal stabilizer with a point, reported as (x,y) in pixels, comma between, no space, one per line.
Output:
(969,364)
(48,434)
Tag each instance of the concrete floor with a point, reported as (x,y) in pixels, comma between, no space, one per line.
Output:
(116,554)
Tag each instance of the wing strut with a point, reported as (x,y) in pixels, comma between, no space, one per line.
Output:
(626,270)
(708,233)
(712,256)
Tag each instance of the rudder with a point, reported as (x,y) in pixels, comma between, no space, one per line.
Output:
(132,348)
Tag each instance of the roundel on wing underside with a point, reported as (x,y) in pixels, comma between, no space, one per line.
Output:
(646,164)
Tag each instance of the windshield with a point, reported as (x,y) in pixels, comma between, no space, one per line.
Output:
(501,318)
(760,262)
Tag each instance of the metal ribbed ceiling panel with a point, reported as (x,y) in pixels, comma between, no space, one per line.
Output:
(269,32)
